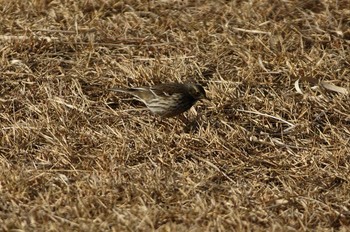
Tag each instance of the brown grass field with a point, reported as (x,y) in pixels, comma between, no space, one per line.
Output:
(269,152)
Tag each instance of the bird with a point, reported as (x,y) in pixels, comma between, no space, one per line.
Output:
(167,99)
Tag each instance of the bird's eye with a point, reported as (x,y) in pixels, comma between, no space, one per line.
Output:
(196,92)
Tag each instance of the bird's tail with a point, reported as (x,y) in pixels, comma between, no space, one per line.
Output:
(140,93)
(135,90)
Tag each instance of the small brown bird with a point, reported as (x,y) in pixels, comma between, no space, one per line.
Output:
(167,100)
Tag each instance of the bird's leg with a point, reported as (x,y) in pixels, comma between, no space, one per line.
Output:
(183,119)
(157,120)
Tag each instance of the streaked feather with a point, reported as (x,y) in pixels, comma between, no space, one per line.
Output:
(169,99)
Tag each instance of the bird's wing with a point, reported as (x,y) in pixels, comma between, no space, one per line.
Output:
(165,90)
(150,92)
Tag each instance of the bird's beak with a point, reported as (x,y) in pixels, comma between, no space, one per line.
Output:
(207,98)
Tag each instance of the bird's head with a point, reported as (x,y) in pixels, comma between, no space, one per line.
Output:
(197,91)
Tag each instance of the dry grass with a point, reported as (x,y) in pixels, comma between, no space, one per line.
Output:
(266,154)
